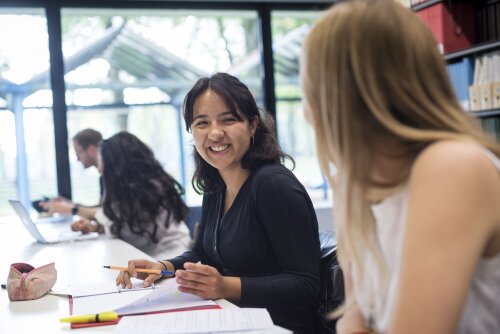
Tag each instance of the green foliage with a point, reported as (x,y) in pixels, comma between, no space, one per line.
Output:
(282,26)
(288,92)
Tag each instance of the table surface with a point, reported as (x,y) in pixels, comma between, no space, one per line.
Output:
(76,262)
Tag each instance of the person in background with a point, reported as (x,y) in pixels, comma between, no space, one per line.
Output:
(416,184)
(142,203)
(86,145)
(258,242)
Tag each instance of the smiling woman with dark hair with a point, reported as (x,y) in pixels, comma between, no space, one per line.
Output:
(142,203)
(241,105)
(258,239)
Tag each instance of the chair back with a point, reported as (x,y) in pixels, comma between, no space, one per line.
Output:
(193,219)
(331,282)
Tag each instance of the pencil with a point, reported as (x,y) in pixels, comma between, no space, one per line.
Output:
(140,270)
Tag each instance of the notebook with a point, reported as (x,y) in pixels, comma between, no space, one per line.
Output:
(162,298)
(48,233)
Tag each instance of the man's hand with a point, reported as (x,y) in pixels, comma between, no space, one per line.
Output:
(59,205)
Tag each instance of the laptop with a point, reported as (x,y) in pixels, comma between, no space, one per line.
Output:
(49,233)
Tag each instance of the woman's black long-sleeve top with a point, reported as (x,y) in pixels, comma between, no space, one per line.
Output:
(268,238)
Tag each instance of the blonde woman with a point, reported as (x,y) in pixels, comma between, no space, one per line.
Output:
(417,182)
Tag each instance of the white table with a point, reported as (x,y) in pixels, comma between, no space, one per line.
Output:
(76,262)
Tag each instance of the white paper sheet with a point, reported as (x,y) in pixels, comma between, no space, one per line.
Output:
(162,298)
(165,296)
(98,288)
(273,330)
(245,320)
(107,302)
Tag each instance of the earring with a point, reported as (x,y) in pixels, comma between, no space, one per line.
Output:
(253,140)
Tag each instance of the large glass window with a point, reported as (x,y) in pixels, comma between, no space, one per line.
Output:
(130,70)
(27,155)
(289,30)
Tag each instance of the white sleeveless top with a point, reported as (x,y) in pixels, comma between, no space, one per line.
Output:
(172,241)
(481,312)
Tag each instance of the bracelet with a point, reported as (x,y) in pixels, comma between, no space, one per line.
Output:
(74,209)
(166,269)
(97,225)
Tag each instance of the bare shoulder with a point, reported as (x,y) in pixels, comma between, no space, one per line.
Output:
(460,173)
(455,159)
(459,186)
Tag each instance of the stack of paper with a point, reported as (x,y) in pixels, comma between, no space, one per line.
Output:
(102,297)
(163,298)
(242,320)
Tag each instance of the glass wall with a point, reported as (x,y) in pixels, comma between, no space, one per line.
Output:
(289,30)
(7,159)
(27,154)
(130,70)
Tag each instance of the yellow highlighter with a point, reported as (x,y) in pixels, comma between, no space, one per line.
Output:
(98,317)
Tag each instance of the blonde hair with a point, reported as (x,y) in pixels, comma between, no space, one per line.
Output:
(372,74)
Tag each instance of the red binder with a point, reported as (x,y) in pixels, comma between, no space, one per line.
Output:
(452,25)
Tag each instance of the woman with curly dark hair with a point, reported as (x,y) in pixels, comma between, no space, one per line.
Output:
(142,203)
(258,239)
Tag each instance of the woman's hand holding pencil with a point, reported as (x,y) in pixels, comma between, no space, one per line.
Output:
(139,270)
(149,271)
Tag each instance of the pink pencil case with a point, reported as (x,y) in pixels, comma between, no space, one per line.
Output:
(26,282)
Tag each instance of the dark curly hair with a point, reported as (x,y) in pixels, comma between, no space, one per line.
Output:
(241,103)
(136,187)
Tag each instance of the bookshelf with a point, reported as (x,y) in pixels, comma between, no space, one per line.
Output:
(469,35)
(473,50)
(425,4)
(487,113)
